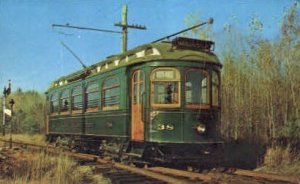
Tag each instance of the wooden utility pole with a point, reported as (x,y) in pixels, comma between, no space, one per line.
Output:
(123,24)
(125,27)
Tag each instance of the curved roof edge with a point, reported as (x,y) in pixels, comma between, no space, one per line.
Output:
(143,53)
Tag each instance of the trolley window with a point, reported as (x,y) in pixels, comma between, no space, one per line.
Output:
(92,96)
(54,103)
(111,93)
(64,101)
(165,87)
(77,99)
(196,89)
(215,88)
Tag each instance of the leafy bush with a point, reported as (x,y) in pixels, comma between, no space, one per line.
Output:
(28,112)
(282,160)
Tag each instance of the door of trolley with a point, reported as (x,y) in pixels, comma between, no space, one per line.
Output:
(137,105)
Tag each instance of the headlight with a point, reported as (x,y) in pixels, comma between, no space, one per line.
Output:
(170,127)
(200,128)
(161,127)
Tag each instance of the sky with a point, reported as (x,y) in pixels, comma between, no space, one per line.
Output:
(31,54)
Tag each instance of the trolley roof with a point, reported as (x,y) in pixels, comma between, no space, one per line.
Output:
(178,49)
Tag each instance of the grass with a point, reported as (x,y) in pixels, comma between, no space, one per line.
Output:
(33,167)
(282,160)
(30,138)
(44,168)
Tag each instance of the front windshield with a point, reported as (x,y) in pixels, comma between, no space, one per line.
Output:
(196,90)
(165,85)
(165,92)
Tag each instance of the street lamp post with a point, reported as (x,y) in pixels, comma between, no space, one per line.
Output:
(6,92)
(11,102)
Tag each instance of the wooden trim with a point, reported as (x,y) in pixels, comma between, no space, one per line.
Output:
(76,111)
(165,105)
(152,81)
(65,113)
(92,109)
(177,72)
(54,114)
(113,107)
(137,124)
(197,106)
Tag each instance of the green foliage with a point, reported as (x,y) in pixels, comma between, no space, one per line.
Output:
(291,129)
(260,79)
(200,32)
(29,110)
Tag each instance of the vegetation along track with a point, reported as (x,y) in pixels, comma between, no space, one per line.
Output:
(121,173)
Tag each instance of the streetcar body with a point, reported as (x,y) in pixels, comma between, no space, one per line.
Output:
(159,101)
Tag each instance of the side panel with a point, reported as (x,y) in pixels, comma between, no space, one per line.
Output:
(66,124)
(110,123)
(114,123)
(97,123)
(166,126)
(193,118)
(180,126)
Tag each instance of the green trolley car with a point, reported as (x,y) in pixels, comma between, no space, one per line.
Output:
(159,102)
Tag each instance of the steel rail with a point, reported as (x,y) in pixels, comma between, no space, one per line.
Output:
(266,176)
(181,173)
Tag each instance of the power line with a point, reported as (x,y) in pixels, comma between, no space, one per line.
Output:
(123,24)
(86,28)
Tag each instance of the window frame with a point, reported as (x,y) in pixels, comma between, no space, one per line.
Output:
(112,107)
(198,105)
(152,81)
(219,88)
(76,111)
(52,112)
(140,84)
(61,102)
(96,90)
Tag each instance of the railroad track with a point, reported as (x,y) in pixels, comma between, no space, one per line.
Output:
(121,173)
